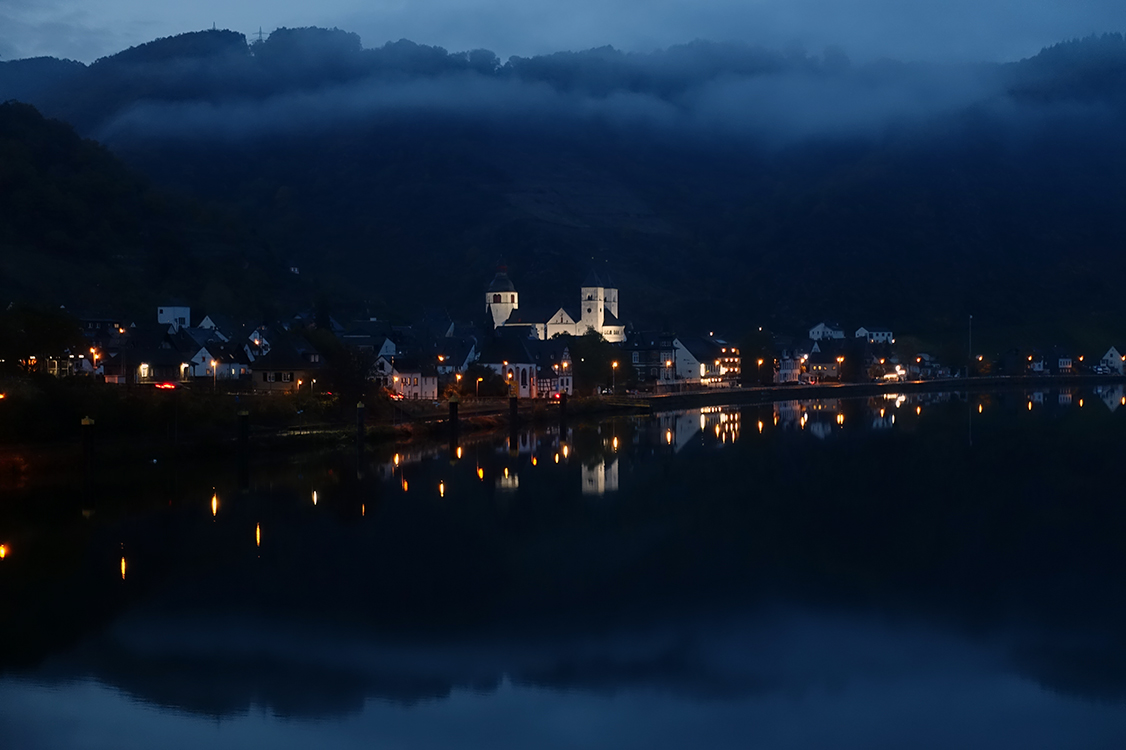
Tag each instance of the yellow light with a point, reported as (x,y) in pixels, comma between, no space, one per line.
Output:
(441,489)
(566,451)
(363,510)
(314,497)
(840,419)
(459,451)
(615,443)
(405,487)
(533,460)
(668,436)
(123,568)
(458,376)
(480,473)
(556,458)
(214,505)
(1080,403)
(614,365)
(981,408)
(918,410)
(3,551)
(506,472)
(717,430)
(1030,406)
(881,413)
(395,459)
(258,535)
(760,426)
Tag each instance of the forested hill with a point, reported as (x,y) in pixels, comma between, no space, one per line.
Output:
(717,181)
(80,228)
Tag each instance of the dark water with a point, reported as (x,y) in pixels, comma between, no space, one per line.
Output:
(925,572)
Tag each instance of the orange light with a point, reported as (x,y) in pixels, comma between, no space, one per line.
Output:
(214,505)
(441,489)
(363,509)
(556,458)
(395,459)
(258,535)
(3,396)
(3,551)
(918,410)
(123,568)
(760,426)
(1030,406)
(981,408)
(480,473)
(533,460)
(459,451)
(405,486)
(314,497)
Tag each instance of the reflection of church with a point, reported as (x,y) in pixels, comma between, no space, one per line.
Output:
(597,310)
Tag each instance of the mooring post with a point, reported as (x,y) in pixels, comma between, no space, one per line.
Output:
(360,422)
(88,443)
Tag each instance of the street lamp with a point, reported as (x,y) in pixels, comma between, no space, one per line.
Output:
(613,376)
(840,360)
(758,372)
(479,387)
(214,376)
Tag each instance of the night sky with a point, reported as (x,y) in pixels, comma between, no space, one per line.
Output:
(988,30)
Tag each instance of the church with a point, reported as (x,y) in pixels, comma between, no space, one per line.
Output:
(597,310)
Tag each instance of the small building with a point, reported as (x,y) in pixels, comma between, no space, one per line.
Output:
(1114,360)
(409,377)
(826,330)
(875,335)
(287,367)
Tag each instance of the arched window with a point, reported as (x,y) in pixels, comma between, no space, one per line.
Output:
(496,298)
(523,378)
(513,298)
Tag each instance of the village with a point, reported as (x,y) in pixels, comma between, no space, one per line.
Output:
(516,350)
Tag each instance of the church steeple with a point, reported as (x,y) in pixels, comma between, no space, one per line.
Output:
(501,297)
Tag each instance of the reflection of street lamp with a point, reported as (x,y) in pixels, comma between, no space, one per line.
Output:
(613,376)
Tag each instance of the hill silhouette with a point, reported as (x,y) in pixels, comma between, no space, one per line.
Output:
(725,185)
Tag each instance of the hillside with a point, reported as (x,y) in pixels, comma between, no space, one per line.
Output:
(718,182)
(80,228)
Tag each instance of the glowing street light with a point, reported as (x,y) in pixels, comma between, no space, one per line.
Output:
(479,387)
(614,375)
(214,376)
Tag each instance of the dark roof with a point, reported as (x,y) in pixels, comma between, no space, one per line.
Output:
(501,282)
(505,349)
(592,279)
(528,315)
(876,329)
(423,367)
(610,319)
(700,348)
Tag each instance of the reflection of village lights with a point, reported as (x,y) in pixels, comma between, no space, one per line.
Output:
(840,419)
(918,410)
(881,413)
(480,473)
(314,497)
(258,535)
(566,451)
(123,568)
(717,430)
(459,451)
(533,460)
(1030,406)
(441,489)
(668,435)
(363,510)
(3,551)
(556,458)
(1080,403)
(980,408)
(405,486)
(615,443)
(775,419)
(760,426)
(214,505)
(395,459)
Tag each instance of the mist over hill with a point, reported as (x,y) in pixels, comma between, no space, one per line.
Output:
(722,184)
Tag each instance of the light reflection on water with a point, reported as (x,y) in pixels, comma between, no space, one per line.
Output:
(847,572)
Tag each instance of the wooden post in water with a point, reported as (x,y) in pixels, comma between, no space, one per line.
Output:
(454,401)
(88,444)
(360,422)
(513,418)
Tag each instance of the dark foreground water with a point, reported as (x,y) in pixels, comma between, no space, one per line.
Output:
(922,572)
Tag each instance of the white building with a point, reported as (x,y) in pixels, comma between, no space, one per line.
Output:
(177,316)
(826,330)
(875,335)
(597,311)
(1114,360)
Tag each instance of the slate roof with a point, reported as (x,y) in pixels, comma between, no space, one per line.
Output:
(501,282)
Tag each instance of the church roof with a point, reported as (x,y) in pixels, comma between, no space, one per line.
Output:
(501,282)
(610,319)
(592,279)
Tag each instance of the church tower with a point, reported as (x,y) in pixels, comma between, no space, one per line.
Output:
(501,297)
(593,302)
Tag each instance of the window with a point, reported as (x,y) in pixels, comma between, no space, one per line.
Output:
(513,299)
(415,381)
(496,298)
(268,376)
(286,377)
(636,357)
(523,378)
